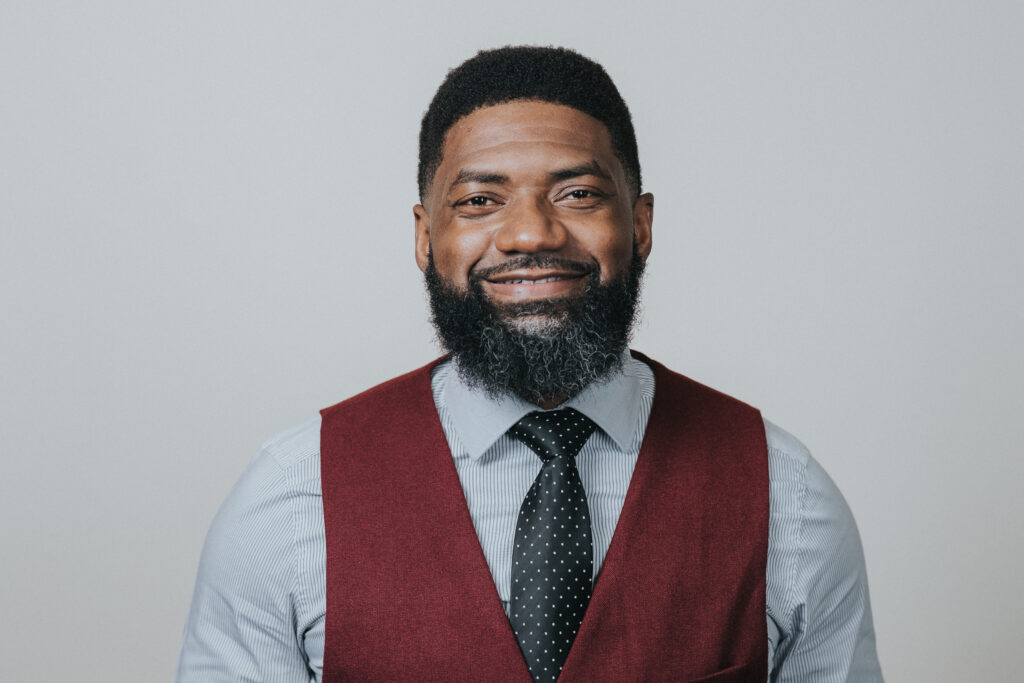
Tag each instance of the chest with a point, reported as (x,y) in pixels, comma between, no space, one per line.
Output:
(495,484)
(409,593)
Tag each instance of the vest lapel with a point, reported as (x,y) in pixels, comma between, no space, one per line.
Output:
(412,511)
(662,567)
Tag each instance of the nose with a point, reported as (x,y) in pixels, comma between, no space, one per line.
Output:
(530,228)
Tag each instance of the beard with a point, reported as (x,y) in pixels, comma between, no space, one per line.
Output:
(538,350)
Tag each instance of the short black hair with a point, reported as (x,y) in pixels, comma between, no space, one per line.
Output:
(548,74)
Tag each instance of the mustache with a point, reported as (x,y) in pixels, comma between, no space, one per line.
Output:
(533,261)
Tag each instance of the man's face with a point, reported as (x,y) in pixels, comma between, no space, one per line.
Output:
(530,200)
(533,249)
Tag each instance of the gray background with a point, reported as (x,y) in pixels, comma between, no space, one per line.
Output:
(207,236)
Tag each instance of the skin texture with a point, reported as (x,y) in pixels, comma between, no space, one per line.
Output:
(530,178)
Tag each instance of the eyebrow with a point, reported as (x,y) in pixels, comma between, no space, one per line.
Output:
(590,168)
(472,175)
(469,175)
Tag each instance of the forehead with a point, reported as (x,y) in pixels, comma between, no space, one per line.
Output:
(503,132)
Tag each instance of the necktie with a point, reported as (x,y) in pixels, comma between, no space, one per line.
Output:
(553,557)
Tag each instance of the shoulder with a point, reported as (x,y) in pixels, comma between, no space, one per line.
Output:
(251,544)
(253,587)
(293,447)
(382,397)
(806,505)
(785,446)
(260,506)
(817,595)
(401,408)
(286,465)
(801,489)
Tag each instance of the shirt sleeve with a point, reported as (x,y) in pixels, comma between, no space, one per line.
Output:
(241,624)
(827,631)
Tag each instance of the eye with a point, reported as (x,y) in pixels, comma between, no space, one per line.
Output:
(581,197)
(477,205)
(476,200)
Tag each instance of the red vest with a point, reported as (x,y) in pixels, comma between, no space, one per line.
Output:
(681,594)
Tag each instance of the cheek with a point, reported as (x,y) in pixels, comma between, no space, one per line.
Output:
(456,252)
(613,251)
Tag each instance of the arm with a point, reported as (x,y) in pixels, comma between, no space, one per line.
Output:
(241,625)
(823,612)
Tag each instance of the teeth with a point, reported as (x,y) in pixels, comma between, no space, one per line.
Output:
(533,282)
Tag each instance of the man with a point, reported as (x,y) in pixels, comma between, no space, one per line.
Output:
(541,503)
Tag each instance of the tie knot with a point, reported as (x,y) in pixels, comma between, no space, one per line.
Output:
(554,433)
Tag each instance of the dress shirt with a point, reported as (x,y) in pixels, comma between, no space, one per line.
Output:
(259,604)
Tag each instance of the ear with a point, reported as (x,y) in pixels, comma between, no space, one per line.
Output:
(422,219)
(643,219)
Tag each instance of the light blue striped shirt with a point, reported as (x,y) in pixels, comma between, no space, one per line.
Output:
(258,609)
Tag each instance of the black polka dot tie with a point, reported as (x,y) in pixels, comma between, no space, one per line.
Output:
(553,556)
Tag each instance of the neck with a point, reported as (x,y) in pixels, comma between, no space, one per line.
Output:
(549,403)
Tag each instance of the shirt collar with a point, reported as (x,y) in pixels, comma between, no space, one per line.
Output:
(480,419)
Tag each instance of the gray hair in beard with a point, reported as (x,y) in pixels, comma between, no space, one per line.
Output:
(539,351)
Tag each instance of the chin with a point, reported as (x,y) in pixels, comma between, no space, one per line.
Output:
(541,325)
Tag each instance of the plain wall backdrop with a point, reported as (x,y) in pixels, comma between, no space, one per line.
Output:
(207,236)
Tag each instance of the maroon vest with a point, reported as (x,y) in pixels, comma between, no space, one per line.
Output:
(681,595)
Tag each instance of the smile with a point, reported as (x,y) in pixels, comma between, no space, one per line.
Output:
(553,278)
(524,285)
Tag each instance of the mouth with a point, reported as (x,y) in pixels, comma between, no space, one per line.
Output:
(526,284)
(533,276)
(538,281)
